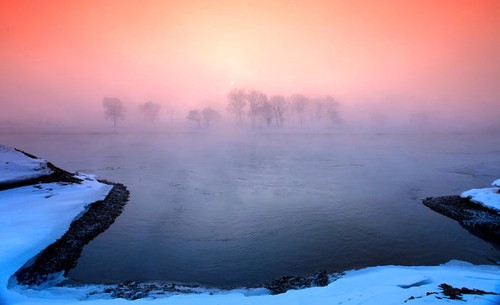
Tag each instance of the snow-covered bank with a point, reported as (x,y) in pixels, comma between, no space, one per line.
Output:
(477,210)
(496,183)
(60,257)
(16,166)
(487,197)
(32,217)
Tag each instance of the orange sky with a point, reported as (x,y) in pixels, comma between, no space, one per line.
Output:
(59,58)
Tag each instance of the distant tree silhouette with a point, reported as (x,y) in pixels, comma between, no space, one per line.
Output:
(266,112)
(278,104)
(210,116)
(278,108)
(319,109)
(170,112)
(256,100)
(150,111)
(331,109)
(298,103)
(113,109)
(236,102)
(194,115)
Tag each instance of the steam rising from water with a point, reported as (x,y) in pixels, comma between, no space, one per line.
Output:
(393,66)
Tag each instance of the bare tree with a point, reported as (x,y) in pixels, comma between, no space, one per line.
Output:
(170,110)
(150,111)
(266,112)
(298,104)
(278,104)
(194,115)
(237,100)
(331,109)
(210,116)
(319,108)
(255,101)
(113,109)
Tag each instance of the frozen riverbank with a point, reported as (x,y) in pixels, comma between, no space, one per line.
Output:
(32,217)
(477,210)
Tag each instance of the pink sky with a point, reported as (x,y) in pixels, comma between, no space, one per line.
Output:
(59,58)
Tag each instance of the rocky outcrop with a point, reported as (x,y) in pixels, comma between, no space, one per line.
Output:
(62,255)
(477,219)
(286,283)
(457,293)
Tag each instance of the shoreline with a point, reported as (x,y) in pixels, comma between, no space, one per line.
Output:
(479,220)
(61,256)
(58,175)
(133,290)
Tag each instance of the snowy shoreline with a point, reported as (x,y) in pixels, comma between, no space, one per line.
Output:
(477,210)
(62,256)
(53,207)
(477,219)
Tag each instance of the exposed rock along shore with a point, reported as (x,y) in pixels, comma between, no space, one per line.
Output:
(477,219)
(57,175)
(62,255)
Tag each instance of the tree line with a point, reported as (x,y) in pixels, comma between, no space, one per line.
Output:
(275,110)
(261,110)
(115,110)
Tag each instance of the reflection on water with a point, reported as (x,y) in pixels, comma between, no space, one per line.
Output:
(242,211)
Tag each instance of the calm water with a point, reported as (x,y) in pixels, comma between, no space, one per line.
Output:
(251,208)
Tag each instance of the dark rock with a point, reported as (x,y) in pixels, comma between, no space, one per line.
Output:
(477,219)
(322,279)
(136,290)
(457,293)
(290,282)
(62,255)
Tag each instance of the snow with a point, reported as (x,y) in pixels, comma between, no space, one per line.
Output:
(16,166)
(488,197)
(32,217)
(376,285)
(496,183)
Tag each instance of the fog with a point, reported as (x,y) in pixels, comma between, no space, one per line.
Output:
(430,66)
(248,207)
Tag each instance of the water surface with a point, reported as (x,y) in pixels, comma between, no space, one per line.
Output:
(246,209)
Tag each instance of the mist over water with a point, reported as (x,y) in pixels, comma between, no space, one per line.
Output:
(391,65)
(249,207)
(364,108)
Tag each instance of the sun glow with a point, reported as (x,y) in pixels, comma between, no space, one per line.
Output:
(57,55)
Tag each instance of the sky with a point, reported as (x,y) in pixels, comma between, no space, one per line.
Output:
(58,58)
